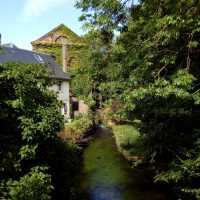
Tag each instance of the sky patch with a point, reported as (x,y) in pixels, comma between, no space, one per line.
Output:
(36,8)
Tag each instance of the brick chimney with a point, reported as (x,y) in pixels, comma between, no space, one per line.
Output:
(64,55)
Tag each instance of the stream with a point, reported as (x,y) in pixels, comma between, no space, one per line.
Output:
(106,175)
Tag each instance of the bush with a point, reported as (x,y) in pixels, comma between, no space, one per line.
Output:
(78,127)
(36,185)
(29,121)
(63,159)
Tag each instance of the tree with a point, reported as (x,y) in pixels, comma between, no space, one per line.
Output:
(102,19)
(29,118)
(153,70)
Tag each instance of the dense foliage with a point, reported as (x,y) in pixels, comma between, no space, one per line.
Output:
(80,126)
(33,161)
(146,57)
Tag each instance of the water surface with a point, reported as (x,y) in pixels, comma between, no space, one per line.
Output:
(106,175)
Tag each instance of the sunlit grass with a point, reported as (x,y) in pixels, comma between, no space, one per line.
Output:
(128,140)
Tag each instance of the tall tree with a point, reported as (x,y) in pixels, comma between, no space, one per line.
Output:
(30,151)
(153,70)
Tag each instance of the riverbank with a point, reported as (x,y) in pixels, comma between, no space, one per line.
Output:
(129,142)
(79,130)
(106,175)
(104,163)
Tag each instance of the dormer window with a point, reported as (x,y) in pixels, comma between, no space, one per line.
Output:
(38,58)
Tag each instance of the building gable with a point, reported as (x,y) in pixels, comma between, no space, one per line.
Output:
(55,35)
(52,42)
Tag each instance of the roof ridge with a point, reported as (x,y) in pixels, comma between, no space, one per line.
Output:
(31,57)
(26,50)
(55,29)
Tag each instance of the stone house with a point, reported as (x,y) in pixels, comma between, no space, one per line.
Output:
(61,41)
(67,48)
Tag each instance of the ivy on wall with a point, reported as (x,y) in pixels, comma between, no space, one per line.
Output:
(76,47)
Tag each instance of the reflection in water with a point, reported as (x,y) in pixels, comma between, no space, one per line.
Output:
(107,176)
(105,193)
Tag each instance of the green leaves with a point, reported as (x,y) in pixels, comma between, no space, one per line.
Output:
(182,79)
(152,70)
(34,185)
(28,152)
(193,44)
(78,127)
(29,117)
(106,15)
(183,175)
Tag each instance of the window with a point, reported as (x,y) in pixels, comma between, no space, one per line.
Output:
(75,105)
(38,58)
(59,86)
(65,108)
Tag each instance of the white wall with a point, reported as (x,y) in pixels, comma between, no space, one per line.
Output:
(62,92)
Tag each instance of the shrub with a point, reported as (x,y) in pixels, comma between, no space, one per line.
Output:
(78,127)
(36,185)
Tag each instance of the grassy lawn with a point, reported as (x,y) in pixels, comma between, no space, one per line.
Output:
(128,140)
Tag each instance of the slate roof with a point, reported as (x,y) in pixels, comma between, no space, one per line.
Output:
(14,54)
